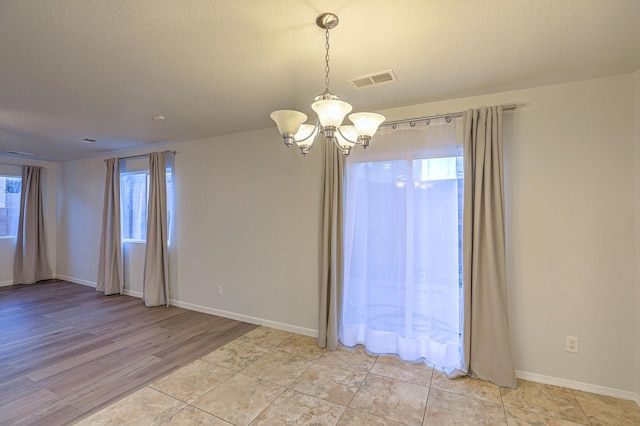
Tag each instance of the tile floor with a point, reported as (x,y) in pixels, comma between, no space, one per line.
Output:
(272,377)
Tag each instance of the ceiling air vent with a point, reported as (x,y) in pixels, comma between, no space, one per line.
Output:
(19,153)
(381,77)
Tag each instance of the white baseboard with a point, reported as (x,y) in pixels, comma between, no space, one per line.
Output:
(234,316)
(540,378)
(586,387)
(207,310)
(133,293)
(246,318)
(76,280)
(60,277)
(93,284)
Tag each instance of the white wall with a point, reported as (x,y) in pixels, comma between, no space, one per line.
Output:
(12,166)
(133,253)
(80,200)
(252,225)
(248,219)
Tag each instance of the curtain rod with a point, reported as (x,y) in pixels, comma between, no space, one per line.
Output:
(14,164)
(142,155)
(508,107)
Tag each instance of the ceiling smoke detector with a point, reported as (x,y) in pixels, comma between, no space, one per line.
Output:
(381,77)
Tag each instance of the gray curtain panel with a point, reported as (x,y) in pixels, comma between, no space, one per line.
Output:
(487,348)
(31,263)
(110,269)
(156,262)
(332,256)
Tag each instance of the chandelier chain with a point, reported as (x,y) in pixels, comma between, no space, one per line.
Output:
(326,59)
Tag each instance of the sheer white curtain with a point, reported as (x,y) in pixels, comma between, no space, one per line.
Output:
(402,261)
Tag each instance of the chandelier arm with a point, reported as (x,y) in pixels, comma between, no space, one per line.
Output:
(335,142)
(345,150)
(356,142)
(313,133)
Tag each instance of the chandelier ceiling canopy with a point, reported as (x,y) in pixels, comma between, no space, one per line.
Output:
(330,111)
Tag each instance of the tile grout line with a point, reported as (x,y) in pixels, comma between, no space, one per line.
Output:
(270,349)
(289,386)
(318,361)
(426,404)
(580,405)
(504,408)
(235,372)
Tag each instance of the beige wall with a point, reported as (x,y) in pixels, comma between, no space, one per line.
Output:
(570,194)
(80,199)
(248,219)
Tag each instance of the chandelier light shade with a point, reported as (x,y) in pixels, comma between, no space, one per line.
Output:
(288,122)
(366,124)
(306,137)
(305,132)
(330,111)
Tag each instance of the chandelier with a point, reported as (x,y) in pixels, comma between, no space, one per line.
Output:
(331,112)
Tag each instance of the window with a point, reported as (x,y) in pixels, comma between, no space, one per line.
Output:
(403,250)
(10,188)
(134,196)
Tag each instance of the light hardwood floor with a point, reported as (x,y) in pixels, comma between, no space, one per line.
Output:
(67,351)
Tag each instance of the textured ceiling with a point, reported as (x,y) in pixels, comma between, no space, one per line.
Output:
(71,69)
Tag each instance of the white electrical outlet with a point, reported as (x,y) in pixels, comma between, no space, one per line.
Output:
(219,289)
(573,344)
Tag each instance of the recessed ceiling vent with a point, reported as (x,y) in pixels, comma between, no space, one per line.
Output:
(19,153)
(377,78)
